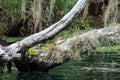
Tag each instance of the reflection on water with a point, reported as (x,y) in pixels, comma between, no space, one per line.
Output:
(98,66)
(36,76)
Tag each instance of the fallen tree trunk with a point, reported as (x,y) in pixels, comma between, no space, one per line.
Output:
(80,44)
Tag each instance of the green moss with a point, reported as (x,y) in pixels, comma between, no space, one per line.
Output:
(13,39)
(113,48)
(5,69)
(32,52)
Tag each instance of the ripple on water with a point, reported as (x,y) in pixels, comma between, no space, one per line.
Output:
(94,67)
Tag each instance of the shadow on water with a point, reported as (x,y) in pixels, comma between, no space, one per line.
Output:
(37,76)
(96,66)
(31,76)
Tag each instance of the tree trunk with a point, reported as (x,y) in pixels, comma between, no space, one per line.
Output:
(58,54)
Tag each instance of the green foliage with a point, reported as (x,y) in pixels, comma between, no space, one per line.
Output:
(44,46)
(13,39)
(112,48)
(86,25)
(61,7)
(5,69)
(3,37)
(11,7)
(10,14)
(2,26)
(32,52)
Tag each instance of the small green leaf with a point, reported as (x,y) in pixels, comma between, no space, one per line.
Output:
(32,52)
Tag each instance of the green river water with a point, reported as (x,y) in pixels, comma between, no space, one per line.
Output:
(97,66)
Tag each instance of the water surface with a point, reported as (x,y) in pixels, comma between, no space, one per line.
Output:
(97,66)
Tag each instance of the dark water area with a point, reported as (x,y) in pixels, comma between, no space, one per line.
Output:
(97,66)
